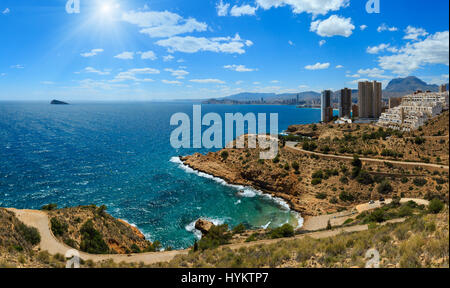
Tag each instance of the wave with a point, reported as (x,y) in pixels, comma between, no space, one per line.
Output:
(243,191)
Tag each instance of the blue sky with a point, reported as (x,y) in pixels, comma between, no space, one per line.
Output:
(175,49)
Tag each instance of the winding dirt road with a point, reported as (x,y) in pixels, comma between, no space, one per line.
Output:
(40,221)
(292,145)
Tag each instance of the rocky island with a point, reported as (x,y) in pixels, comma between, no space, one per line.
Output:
(57,102)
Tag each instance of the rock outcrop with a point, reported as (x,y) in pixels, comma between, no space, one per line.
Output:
(203,226)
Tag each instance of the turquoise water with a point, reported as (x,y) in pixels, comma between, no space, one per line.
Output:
(118,154)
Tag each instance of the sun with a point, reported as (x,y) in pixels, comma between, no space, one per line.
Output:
(108,8)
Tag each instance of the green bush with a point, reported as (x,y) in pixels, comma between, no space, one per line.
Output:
(405,211)
(239,229)
(224,155)
(420,182)
(217,236)
(346,197)
(57,227)
(281,232)
(30,234)
(50,207)
(318,174)
(364,178)
(385,187)
(91,240)
(321,195)
(135,249)
(435,206)
(356,162)
(316,181)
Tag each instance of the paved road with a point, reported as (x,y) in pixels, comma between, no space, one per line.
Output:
(40,221)
(292,145)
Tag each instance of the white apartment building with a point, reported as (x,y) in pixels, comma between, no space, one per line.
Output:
(414,111)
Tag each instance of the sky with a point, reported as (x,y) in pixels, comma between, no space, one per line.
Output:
(136,50)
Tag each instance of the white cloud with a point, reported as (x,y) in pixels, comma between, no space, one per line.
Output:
(163,24)
(207,81)
(47,82)
(333,26)
(318,66)
(95,71)
(125,56)
(177,73)
(222,9)
(239,82)
(239,68)
(374,73)
(363,27)
(322,42)
(6,11)
(18,66)
(131,74)
(168,58)
(413,33)
(237,11)
(191,44)
(274,81)
(291,43)
(377,49)
(170,82)
(149,55)
(414,55)
(339,67)
(92,53)
(384,27)
(314,7)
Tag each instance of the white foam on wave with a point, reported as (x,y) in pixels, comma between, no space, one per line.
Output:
(243,191)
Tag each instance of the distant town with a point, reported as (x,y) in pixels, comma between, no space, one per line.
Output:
(405,113)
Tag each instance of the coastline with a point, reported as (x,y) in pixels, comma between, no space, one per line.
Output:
(245,189)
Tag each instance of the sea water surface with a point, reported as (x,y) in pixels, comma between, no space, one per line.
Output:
(119,154)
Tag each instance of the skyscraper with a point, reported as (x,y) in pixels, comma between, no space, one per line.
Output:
(442,88)
(325,106)
(345,103)
(369,99)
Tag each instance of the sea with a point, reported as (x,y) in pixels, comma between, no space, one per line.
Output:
(119,155)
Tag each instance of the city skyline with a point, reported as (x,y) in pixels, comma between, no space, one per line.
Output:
(165,50)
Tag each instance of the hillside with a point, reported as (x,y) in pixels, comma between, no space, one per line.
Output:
(70,225)
(18,245)
(421,241)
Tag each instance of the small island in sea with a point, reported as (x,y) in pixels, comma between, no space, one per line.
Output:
(58,102)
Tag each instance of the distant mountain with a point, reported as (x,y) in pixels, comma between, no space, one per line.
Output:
(409,84)
(396,88)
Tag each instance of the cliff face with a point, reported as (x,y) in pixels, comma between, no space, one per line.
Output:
(314,185)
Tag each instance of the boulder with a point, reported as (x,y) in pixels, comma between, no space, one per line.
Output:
(203,226)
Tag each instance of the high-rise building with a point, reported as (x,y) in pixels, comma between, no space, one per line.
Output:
(369,99)
(325,106)
(355,111)
(345,103)
(443,88)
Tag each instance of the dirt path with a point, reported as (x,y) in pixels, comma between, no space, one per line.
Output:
(40,221)
(292,145)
